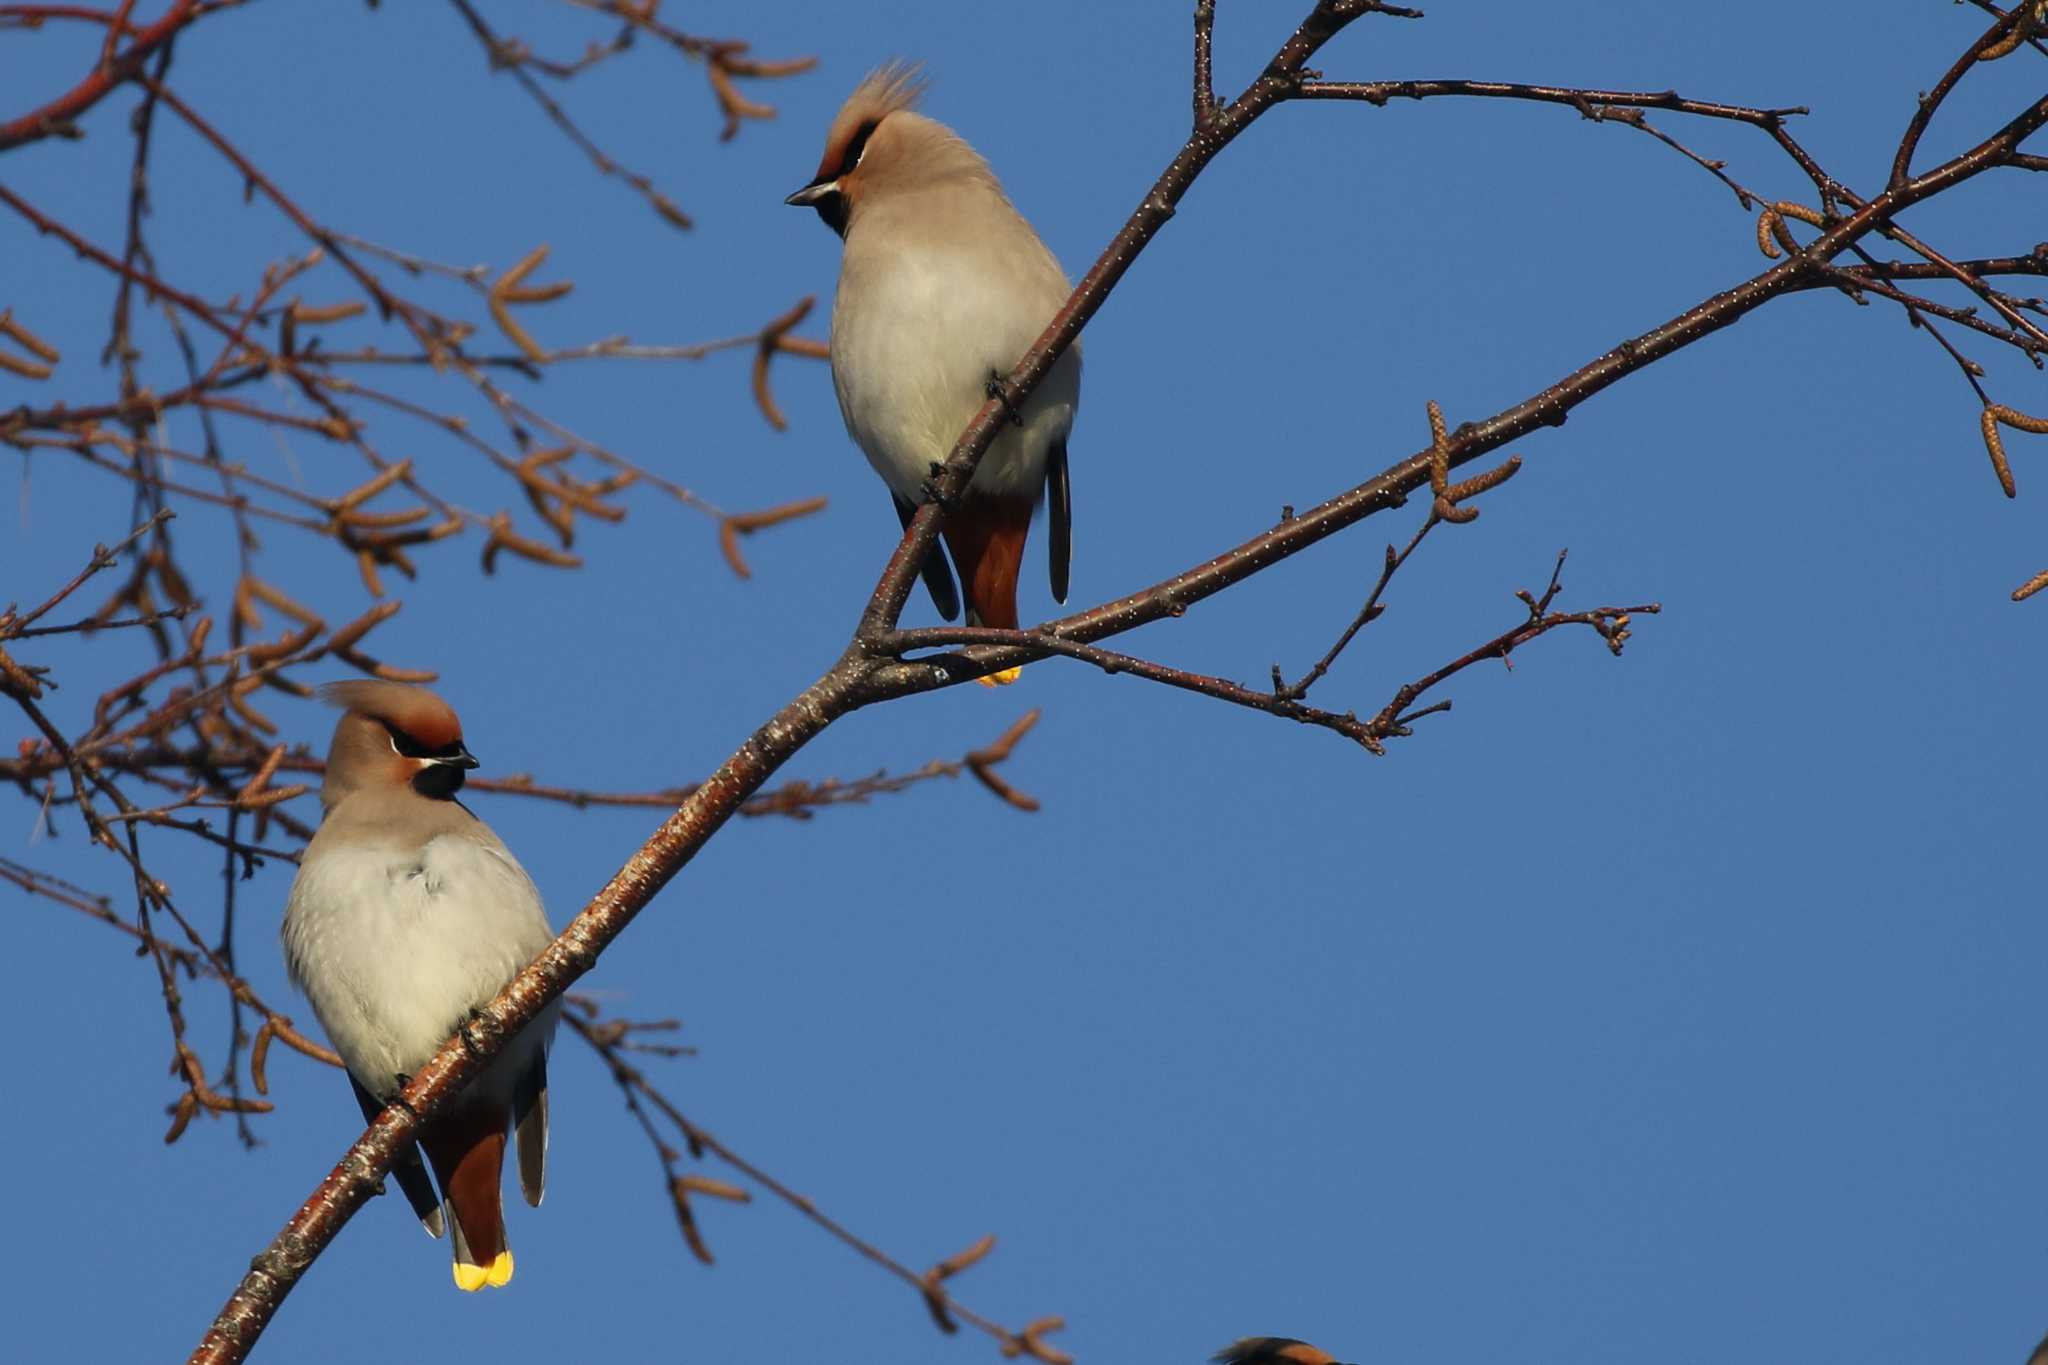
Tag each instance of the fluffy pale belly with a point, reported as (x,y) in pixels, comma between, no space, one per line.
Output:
(393,953)
(906,395)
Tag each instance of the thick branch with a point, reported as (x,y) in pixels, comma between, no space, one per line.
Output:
(865,674)
(1281,78)
(1390,488)
(274,1272)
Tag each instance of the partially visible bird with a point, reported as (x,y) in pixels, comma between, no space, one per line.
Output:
(407,915)
(942,288)
(1272,1351)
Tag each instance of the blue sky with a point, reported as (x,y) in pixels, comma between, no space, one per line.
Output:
(1677,1007)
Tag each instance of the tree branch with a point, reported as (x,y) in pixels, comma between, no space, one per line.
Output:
(867,673)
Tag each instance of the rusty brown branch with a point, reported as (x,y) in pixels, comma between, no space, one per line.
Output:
(59,118)
(867,673)
(639,1094)
(504,57)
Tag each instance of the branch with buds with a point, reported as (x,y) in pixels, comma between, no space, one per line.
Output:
(1449,505)
(285,333)
(612,1040)
(205,743)
(1846,240)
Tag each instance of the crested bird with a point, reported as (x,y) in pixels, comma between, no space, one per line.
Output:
(942,288)
(407,915)
(1272,1351)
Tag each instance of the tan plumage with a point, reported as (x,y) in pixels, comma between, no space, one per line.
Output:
(886,90)
(407,914)
(1272,1351)
(942,287)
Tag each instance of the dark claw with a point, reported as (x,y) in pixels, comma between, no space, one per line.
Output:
(468,1040)
(397,1100)
(930,488)
(1001,394)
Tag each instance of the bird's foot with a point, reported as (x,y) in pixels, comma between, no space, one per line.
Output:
(398,1100)
(469,1038)
(930,488)
(996,389)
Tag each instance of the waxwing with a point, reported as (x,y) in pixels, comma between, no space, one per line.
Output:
(408,914)
(1272,1351)
(942,288)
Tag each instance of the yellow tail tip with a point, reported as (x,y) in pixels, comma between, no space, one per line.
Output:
(1000,679)
(470,1278)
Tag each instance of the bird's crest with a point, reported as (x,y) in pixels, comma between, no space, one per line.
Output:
(1271,1351)
(414,711)
(898,85)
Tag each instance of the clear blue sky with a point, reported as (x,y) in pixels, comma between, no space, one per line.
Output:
(1682,1007)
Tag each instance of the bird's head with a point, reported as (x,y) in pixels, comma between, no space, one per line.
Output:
(393,737)
(879,146)
(1272,1351)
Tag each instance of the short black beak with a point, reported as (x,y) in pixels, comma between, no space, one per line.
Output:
(809,195)
(461,758)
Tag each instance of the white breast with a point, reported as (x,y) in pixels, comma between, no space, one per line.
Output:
(919,324)
(394,947)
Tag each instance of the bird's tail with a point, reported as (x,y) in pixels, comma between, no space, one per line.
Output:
(986,537)
(467,1152)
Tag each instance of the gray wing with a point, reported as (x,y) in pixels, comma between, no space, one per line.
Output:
(938,575)
(408,1170)
(1059,519)
(530,1126)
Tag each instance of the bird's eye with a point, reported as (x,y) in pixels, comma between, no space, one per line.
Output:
(405,746)
(859,145)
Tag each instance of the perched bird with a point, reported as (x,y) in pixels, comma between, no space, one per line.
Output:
(942,288)
(406,916)
(1272,1351)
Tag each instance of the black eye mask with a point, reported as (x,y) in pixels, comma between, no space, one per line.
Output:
(831,205)
(855,148)
(445,768)
(405,744)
